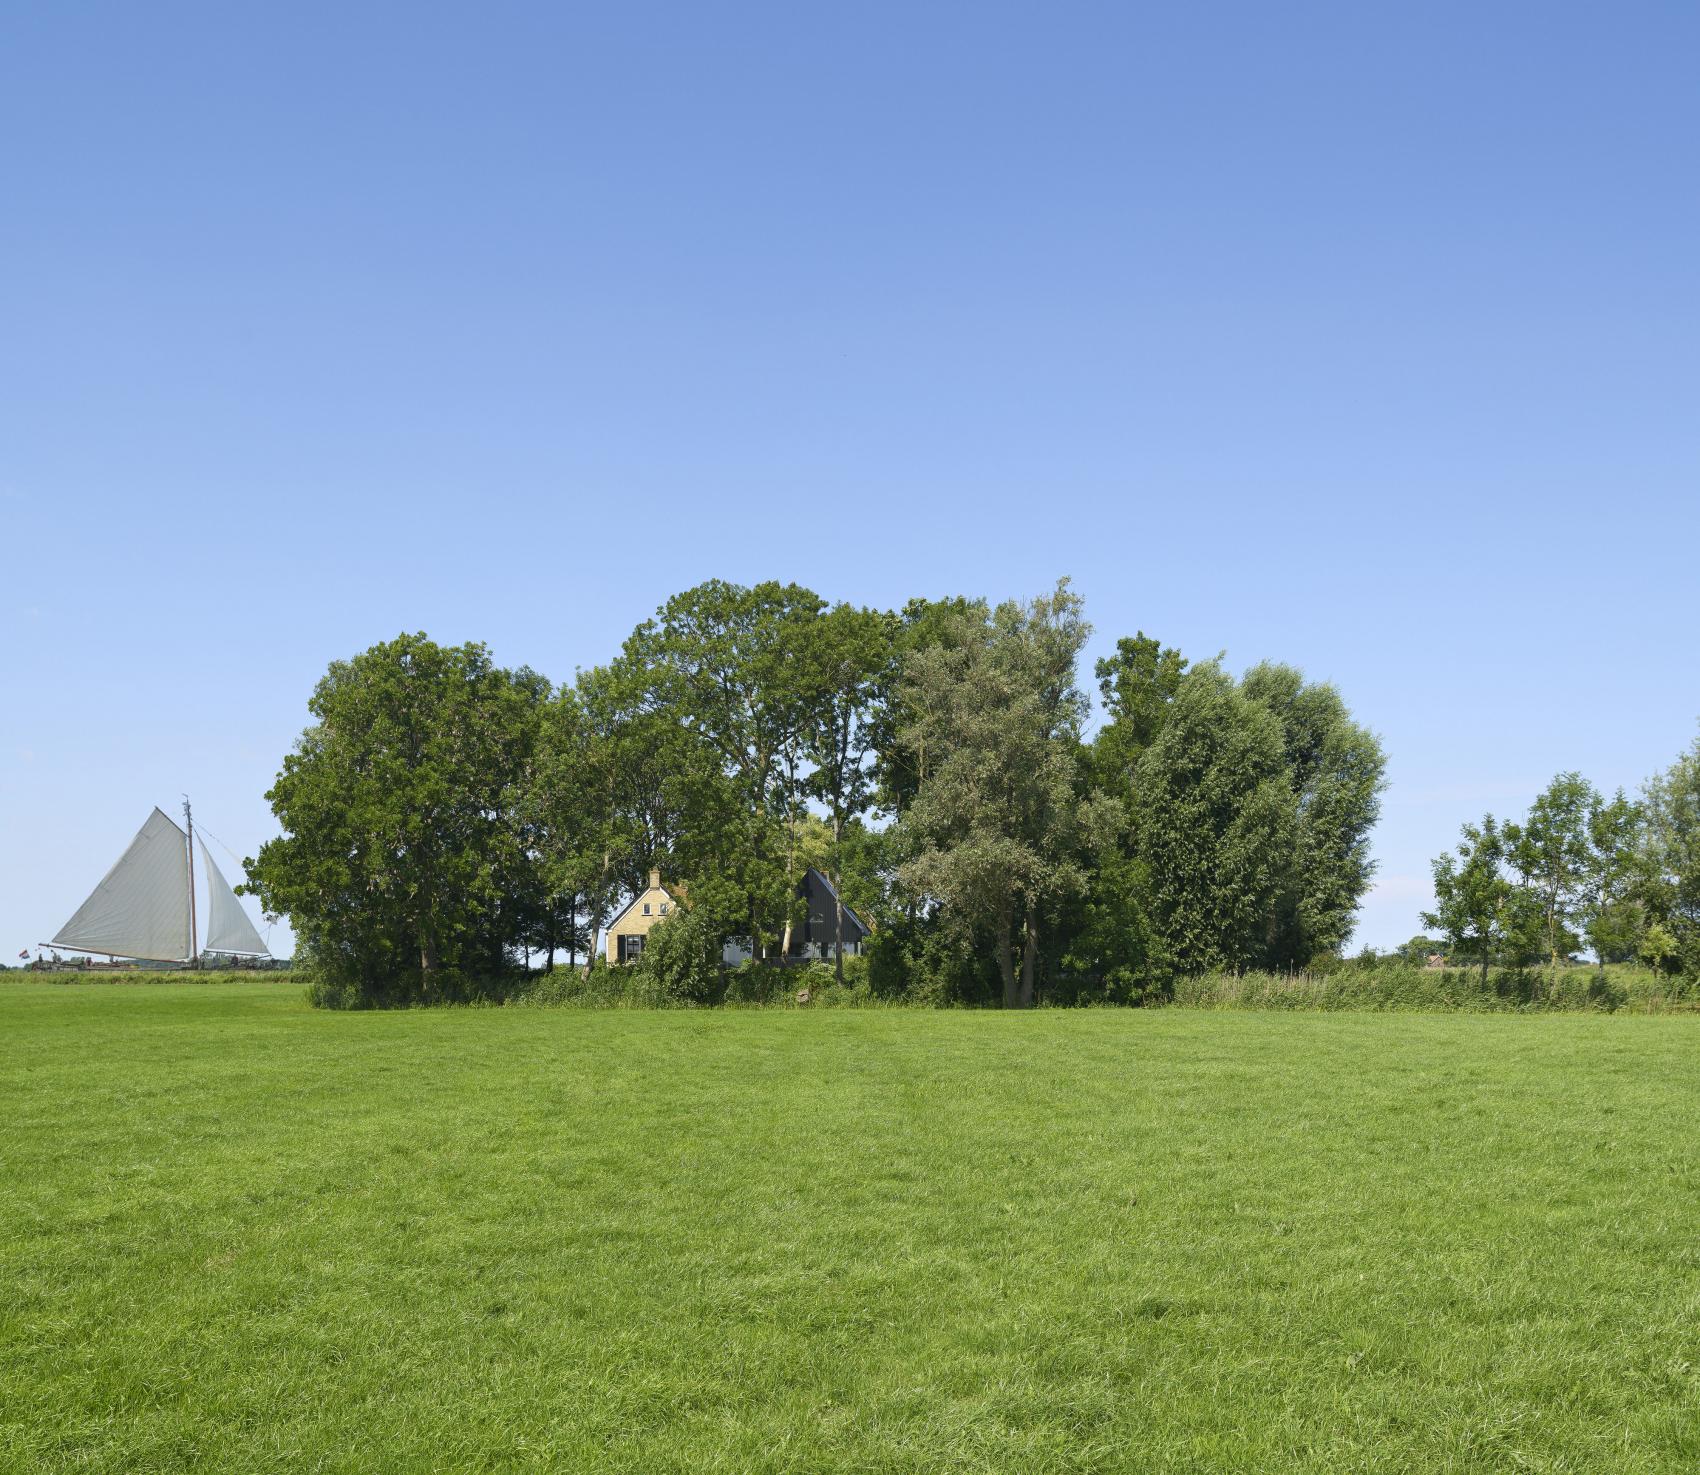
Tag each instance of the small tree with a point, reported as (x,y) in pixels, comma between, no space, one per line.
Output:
(681,958)
(1615,867)
(1418,950)
(1472,894)
(1550,853)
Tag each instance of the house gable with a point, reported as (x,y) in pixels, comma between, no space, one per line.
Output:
(653,904)
(817,888)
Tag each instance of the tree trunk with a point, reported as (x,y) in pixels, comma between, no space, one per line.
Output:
(1006,958)
(1029,956)
(429,959)
(790,867)
(596,906)
(837,901)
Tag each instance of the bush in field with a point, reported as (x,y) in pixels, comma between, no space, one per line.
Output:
(754,983)
(330,985)
(681,959)
(923,964)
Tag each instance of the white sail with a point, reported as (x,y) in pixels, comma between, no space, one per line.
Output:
(228,927)
(141,909)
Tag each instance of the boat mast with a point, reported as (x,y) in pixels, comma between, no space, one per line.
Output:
(194,958)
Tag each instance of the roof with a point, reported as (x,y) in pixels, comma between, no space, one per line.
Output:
(638,896)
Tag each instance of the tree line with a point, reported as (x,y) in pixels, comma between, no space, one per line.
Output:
(1618,877)
(450,826)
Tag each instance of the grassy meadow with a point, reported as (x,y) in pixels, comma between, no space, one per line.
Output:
(237,1234)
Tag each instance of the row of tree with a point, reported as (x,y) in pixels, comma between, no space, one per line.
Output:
(447,822)
(1617,876)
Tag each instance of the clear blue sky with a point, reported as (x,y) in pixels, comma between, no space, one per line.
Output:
(1358,336)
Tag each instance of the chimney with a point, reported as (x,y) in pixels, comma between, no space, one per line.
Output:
(655,879)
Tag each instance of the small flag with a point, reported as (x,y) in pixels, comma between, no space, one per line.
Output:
(25,953)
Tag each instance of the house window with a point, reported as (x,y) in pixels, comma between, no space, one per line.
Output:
(664,909)
(631,948)
(646,909)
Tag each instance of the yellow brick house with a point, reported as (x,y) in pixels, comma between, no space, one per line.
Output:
(626,933)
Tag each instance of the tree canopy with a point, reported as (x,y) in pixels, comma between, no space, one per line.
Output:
(450,826)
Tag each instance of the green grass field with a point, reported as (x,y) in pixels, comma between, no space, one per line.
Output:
(238,1235)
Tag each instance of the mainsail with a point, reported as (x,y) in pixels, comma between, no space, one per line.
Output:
(141,909)
(228,927)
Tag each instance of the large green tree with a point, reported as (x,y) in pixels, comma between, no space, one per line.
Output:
(622,789)
(1214,826)
(399,855)
(998,823)
(722,660)
(1336,771)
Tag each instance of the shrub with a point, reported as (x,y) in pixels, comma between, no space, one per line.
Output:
(600,986)
(681,959)
(336,981)
(932,966)
(753,983)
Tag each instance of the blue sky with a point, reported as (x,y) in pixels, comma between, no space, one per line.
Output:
(1360,337)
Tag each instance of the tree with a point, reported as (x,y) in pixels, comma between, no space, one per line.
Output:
(622,788)
(681,957)
(1336,771)
(399,848)
(1418,950)
(1613,873)
(1550,854)
(1214,820)
(997,824)
(720,660)
(1472,894)
(853,665)
(1673,855)
(1138,685)
(924,625)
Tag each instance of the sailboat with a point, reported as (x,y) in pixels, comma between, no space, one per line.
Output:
(145,908)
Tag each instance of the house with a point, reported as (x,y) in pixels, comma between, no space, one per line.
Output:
(812,937)
(626,933)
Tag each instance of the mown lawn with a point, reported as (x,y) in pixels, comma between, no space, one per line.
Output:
(239,1235)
